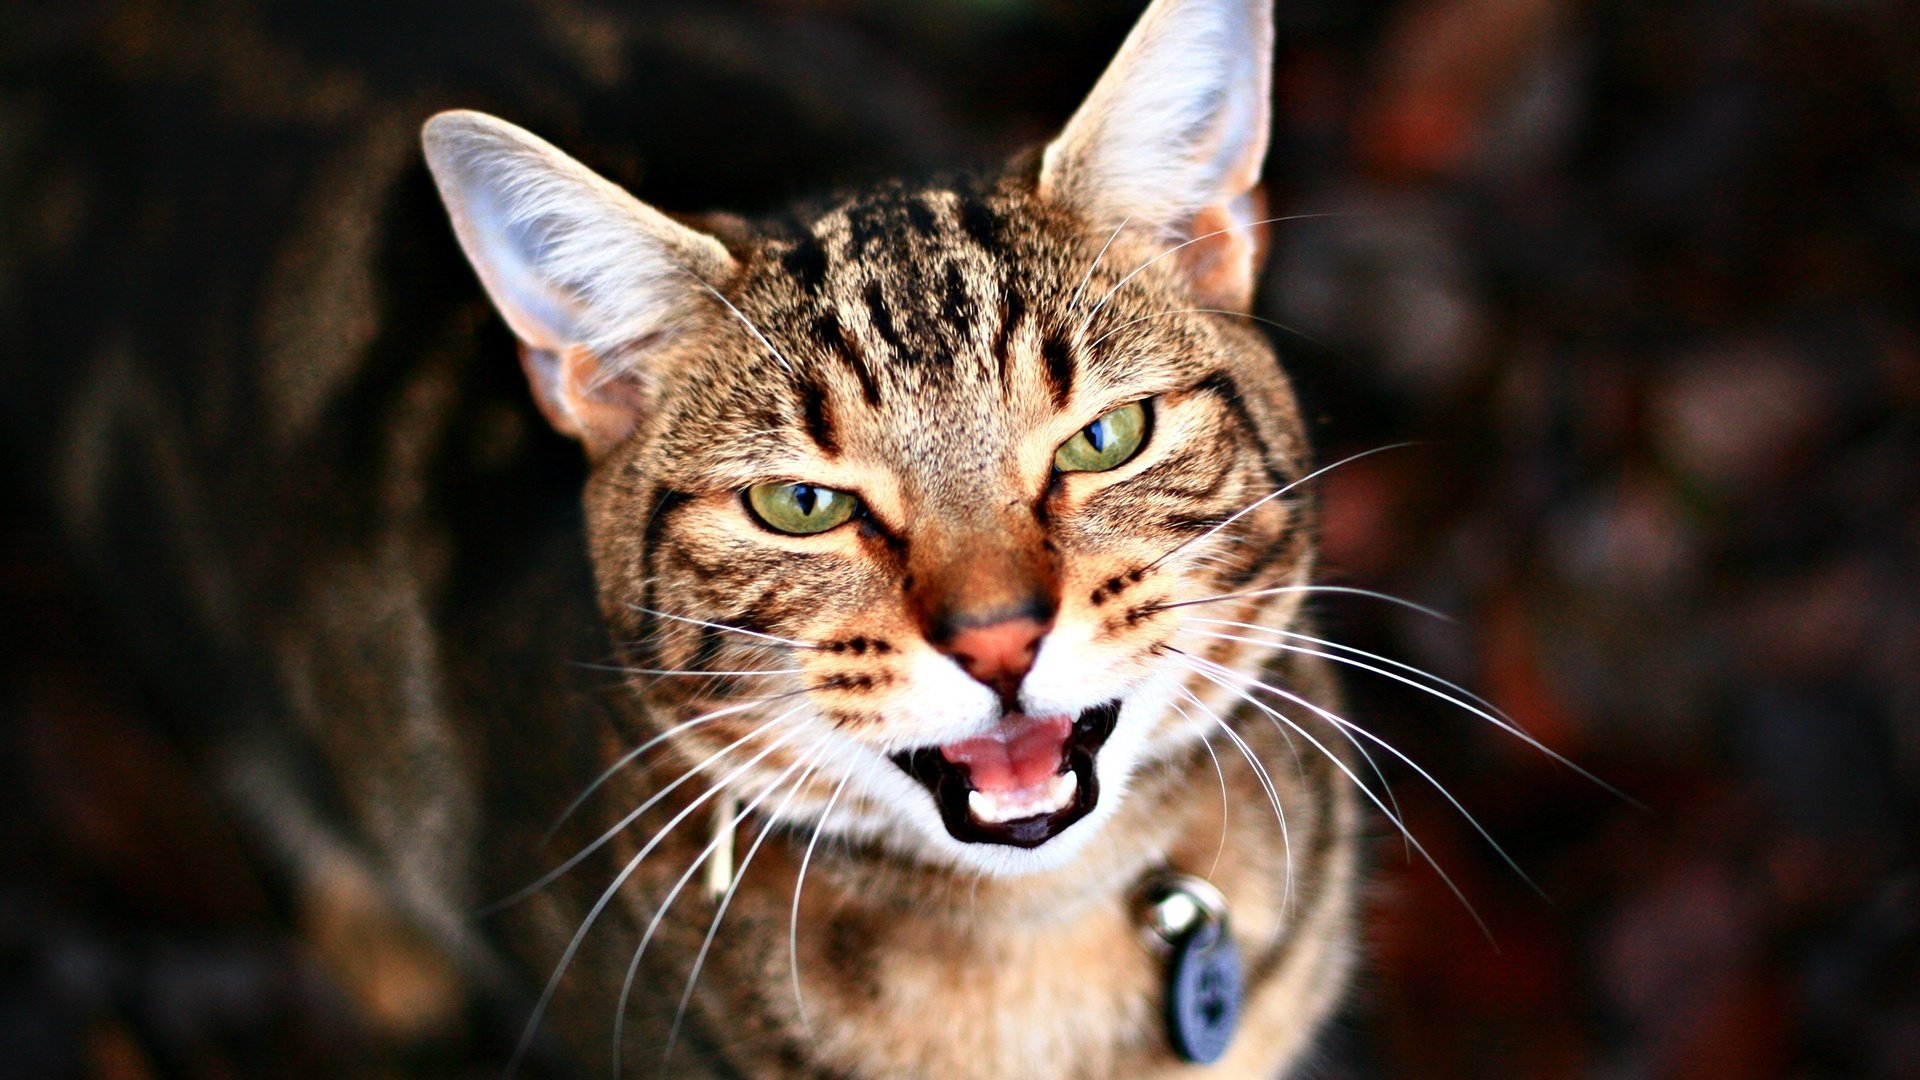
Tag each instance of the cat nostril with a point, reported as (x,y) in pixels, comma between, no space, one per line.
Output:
(998,654)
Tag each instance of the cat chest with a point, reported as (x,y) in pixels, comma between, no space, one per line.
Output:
(1079,997)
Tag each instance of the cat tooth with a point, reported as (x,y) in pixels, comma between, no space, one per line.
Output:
(1061,791)
(1057,794)
(994,809)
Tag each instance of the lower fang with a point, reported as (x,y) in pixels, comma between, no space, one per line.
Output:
(992,808)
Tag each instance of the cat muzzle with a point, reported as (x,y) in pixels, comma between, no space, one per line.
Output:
(1020,785)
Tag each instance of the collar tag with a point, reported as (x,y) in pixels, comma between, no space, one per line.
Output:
(1186,918)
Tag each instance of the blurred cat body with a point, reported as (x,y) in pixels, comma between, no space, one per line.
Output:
(926,352)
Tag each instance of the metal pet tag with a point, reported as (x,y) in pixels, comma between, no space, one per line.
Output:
(1204,987)
(1203,993)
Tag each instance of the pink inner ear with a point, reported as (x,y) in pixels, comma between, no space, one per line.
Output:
(1224,259)
(580,399)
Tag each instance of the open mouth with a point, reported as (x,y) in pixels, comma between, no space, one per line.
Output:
(1022,784)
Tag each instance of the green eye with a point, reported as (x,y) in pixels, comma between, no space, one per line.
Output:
(1106,443)
(800,508)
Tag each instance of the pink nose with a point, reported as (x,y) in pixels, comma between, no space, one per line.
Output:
(998,654)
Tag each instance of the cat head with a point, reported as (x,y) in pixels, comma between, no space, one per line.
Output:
(893,503)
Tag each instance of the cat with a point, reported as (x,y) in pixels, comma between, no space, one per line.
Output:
(932,530)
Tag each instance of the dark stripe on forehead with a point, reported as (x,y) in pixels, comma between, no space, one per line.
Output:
(956,303)
(814,414)
(1013,309)
(1060,370)
(883,323)
(832,336)
(867,224)
(983,225)
(806,260)
(921,216)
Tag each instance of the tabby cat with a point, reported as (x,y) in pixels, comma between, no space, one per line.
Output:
(920,522)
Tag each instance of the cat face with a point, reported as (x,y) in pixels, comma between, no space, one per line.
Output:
(894,504)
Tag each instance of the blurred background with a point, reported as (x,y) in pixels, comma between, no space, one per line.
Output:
(1639,280)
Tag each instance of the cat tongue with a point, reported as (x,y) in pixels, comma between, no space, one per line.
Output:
(1024,752)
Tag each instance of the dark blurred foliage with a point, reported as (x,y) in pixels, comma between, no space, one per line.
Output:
(1640,282)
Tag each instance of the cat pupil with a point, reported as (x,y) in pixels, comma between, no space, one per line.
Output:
(1097,435)
(805,496)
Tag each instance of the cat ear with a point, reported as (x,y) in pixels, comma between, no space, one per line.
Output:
(1172,137)
(587,276)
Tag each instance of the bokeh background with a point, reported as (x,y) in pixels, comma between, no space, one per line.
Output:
(1640,282)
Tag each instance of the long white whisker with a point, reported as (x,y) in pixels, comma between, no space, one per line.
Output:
(1342,766)
(1266,784)
(813,760)
(1372,765)
(1387,660)
(723,626)
(606,897)
(1207,744)
(660,913)
(1342,724)
(1280,590)
(666,672)
(1496,720)
(628,757)
(744,321)
(793,920)
(1177,247)
(650,802)
(1075,302)
(1202,311)
(1276,493)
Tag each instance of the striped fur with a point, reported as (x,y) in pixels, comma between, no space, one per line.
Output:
(346,551)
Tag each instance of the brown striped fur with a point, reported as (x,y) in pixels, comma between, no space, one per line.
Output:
(342,549)
(928,348)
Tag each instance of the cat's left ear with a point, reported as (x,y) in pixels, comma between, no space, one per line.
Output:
(1172,137)
(590,278)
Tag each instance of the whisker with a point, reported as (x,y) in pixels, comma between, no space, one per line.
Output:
(628,757)
(1500,721)
(1280,590)
(632,816)
(1206,311)
(1075,302)
(1342,766)
(660,912)
(1266,784)
(1276,493)
(1345,725)
(1177,247)
(814,759)
(1372,765)
(668,672)
(606,897)
(1222,774)
(793,921)
(1387,660)
(723,626)
(744,321)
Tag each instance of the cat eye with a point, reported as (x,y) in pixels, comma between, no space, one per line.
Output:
(800,509)
(1106,443)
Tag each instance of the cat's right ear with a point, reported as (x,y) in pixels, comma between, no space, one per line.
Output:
(1171,139)
(588,277)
